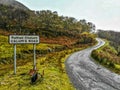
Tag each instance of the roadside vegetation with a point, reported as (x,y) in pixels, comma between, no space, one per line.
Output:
(50,58)
(55,77)
(59,37)
(113,38)
(108,57)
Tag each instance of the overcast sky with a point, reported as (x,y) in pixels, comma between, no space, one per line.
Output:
(105,14)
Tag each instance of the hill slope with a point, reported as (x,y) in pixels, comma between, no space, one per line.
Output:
(13,3)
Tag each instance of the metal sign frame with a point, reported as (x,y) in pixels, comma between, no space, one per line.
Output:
(25,39)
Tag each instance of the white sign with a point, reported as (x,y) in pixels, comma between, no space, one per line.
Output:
(24,39)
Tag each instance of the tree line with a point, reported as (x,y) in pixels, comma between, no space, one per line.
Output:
(44,22)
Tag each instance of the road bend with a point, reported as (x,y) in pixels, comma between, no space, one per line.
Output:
(85,74)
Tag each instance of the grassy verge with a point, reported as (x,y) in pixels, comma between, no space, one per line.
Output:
(107,56)
(55,77)
(50,58)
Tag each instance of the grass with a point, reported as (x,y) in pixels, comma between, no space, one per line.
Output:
(6,49)
(107,56)
(50,58)
(55,77)
(117,66)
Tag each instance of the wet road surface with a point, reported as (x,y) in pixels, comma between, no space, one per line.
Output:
(85,74)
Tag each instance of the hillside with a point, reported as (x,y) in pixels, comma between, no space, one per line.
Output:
(113,37)
(59,37)
(17,18)
(13,3)
(52,62)
(109,54)
(108,57)
(48,24)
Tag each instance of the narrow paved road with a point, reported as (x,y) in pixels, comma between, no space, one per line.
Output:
(85,74)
